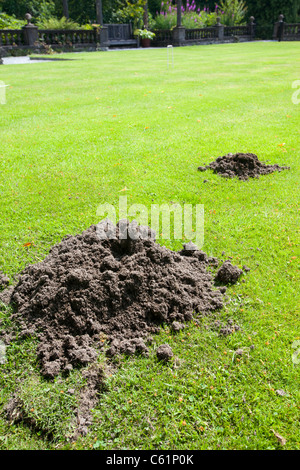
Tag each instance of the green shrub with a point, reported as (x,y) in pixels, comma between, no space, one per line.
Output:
(88,26)
(10,22)
(132,12)
(56,23)
(233,12)
(165,21)
(191,17)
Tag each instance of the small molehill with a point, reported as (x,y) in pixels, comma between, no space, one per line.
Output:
(241,165)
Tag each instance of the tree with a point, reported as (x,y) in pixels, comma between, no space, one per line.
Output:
(42,9)
(99,14)
(267,11)
(145,15)
(66,8)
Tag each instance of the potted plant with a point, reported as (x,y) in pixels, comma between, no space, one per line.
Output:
(145,36)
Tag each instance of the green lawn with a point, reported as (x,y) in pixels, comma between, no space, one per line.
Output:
(73,135)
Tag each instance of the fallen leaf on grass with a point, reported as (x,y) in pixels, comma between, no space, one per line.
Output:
(28,244)
(280,439)
(280,392)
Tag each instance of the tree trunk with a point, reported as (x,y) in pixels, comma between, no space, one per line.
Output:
(295,10)
(146,16)
(99,15)
(66,9)
(179,5)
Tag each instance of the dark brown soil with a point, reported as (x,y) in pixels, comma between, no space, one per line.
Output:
(241,165)
(228,274)
(89,294)
(4,281)
(164,353)
(89,396)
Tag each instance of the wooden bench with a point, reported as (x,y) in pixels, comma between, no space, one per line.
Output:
(120,35)
(122,42)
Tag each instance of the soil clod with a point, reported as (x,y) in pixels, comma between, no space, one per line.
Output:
(176,326)
(228,274)
(4,281)
(164,353)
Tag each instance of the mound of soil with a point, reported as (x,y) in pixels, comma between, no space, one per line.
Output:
(89,293)
(242,165)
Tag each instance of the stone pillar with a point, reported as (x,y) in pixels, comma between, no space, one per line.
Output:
(279,29)
(30,32)
(179,36)
(252,28)
(104,37)
(220,27)
(178,33)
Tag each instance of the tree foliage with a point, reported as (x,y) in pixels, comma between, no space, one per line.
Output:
(42,9)
(10,22)
(130,11)
(84,11)
(268,11)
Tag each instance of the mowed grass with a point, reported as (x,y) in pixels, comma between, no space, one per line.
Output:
(79,133)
